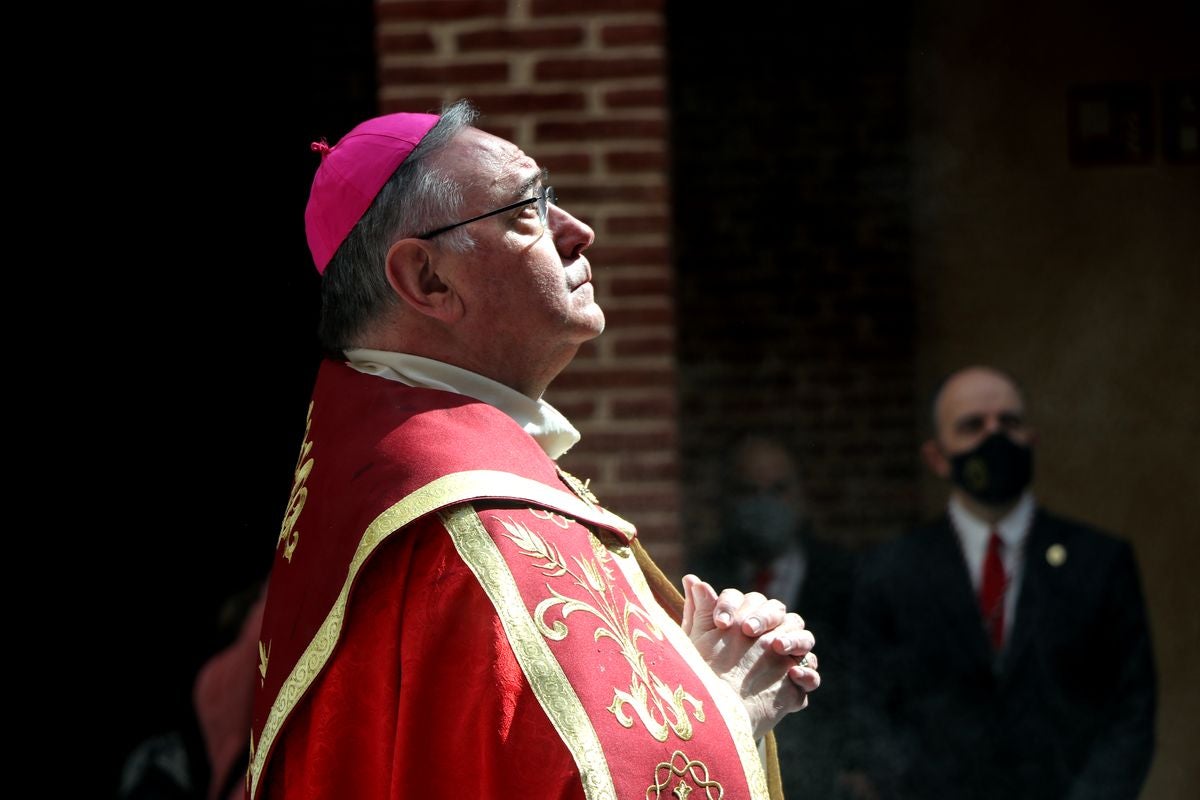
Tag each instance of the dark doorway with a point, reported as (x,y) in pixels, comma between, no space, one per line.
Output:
(792,251)
(214,313)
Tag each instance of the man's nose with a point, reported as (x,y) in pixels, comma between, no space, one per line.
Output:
(571,235)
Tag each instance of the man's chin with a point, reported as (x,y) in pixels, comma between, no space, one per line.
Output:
(594,328)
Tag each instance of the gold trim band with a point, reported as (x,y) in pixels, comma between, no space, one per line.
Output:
(546,677)
(449,490)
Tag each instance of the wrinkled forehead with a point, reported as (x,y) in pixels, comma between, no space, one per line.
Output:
(978,391)
(480,160)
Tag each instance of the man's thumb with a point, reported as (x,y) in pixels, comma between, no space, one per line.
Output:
(699,602)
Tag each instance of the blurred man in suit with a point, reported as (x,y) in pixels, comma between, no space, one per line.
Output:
(767,544)
(1002,651)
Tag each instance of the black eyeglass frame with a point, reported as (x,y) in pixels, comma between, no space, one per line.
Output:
(545,198)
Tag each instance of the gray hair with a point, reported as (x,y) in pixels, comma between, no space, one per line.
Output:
(417,198)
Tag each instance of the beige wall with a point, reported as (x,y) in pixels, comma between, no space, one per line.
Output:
(1085,282)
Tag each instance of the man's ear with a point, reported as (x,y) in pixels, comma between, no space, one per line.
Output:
(412,271)
(1031,438)
(933,457)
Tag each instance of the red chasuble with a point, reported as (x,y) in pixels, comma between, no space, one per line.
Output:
(450,615)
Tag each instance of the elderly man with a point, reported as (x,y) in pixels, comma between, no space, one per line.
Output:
(450,614)
(1003,651)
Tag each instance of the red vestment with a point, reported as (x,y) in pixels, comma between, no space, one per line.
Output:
(449,615)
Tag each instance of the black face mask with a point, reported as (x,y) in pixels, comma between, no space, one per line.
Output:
(759,527)
(995,472)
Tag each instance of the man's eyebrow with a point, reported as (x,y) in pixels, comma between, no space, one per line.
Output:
(526,187)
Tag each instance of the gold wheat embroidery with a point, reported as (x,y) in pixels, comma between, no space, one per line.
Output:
(660,709)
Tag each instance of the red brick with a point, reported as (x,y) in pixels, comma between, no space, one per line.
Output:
(640,287)
(421,10)
(637,470)
(643,33)
(495,72)
(526,39)
(656,406)
(632,498)
(648,224)
(594,129)
(569,194)
(526,102)
(590,69)
(636,161)
(576,410)
(630,441)
(620,317)
(508,132)
(629,256)
(568,163)
(405,43)
(636,98)
(632,348)
(551,8)
(625,378)
(420,103)
(661,540)
(582,467)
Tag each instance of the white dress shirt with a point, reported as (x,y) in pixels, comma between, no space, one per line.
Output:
(973,535)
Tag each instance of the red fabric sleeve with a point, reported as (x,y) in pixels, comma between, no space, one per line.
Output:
(423,697)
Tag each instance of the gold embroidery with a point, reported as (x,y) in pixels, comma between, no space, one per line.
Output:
(692,775)
(546,677)
(248,764)
(579,487)
(611,543)
(264,655)
(299,494)
(618,621)
(733,711)
(446,491)
(557,519)
(602,557)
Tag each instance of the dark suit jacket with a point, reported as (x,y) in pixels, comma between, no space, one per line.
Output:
(1066,712)
(812,742)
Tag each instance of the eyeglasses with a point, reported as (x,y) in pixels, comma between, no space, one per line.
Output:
(545,198)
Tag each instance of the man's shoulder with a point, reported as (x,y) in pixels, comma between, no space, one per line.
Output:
(913,544)
(1080,534)
(366,422)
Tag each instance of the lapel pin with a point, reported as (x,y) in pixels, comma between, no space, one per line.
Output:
(1056,555)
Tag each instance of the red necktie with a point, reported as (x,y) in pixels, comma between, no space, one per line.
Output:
(991,593)
(762,581)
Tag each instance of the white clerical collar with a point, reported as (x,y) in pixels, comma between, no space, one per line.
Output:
(553,432)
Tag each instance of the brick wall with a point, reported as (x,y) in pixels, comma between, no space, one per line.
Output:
(581,87)
(793,255)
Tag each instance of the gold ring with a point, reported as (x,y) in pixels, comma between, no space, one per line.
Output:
(804,662)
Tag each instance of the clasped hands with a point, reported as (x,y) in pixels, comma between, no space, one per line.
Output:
(755,645)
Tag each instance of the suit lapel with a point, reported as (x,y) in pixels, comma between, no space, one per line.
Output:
(950,591)
(1030,600)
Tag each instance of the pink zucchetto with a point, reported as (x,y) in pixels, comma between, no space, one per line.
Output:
(352,172)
